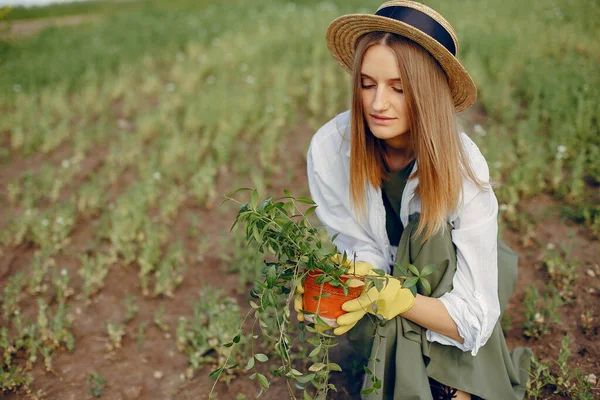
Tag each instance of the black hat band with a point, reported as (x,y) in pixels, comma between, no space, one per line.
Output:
(422,22)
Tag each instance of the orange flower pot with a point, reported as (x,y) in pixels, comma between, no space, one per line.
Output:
(329,307)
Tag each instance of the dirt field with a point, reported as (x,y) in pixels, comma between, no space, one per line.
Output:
(157,370)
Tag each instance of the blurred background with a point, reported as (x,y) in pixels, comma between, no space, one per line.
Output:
(123,122)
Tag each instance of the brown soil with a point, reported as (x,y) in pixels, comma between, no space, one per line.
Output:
(131,374)
(30,28)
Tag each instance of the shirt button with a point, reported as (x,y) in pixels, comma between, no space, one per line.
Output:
(477,295)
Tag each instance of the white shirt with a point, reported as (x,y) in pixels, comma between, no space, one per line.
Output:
(473,302)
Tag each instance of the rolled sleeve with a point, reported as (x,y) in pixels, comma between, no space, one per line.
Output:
(473,302)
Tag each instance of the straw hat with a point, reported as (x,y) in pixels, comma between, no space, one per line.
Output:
(414,21)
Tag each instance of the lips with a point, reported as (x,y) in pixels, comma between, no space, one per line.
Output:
(381,117)
(382,121)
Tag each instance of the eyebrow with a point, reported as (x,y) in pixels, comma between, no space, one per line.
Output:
(390,80)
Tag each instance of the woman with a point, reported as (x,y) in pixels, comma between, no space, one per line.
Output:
(398,183)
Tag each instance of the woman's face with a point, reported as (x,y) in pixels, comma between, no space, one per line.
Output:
(383,100)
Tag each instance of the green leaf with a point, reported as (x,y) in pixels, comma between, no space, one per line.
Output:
(305,200)
(413,269)
(216,373)
(262,380)
(306,378)
(426,286)
(367,391)
(228,344)
(271,276)
(236,339)
(402,270)
(410,282)
(254,199)
(287,193)
(315,351)
(250,364)
(296,372)
(307,396)
(428,270)
(335,367)
(261,357)
(310,211)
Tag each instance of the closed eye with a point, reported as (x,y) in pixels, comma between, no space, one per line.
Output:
(398,90)
(367,86)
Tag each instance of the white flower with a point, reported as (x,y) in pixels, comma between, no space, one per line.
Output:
(591,379)
(550,246)
(180,56)
(64,272)
(28,212)
(65,163)
(539,318)
(17,87)
(156,175)
(60,220)
(503,207)
(244,67)
(561,148)
(250,80)
(171,86)
(269,108)
(211,79)
(45,222)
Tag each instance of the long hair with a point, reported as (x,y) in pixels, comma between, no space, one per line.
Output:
(434,138)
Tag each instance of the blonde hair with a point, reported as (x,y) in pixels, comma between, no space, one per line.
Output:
(434,137)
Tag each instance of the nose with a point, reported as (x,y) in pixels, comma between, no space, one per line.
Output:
(380,101)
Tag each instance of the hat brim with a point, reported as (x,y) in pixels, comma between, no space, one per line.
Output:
(343,32)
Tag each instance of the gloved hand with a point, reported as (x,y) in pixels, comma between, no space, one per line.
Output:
(299,301)
(360,268)
(391,301)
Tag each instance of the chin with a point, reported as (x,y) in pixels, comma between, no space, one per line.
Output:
(382,133)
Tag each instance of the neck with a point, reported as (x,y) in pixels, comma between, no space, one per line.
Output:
(398,157)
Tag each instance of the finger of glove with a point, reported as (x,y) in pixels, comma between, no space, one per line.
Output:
(337,259)
(350,318)
(361,302)
(341,329)
(353,283)
(298,304)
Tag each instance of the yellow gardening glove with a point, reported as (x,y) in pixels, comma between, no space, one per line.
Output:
(299,301)
(390,302)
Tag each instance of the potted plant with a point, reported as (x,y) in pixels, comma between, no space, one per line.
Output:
(296,251)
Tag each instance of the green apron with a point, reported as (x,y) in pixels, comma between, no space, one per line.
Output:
(406,360)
